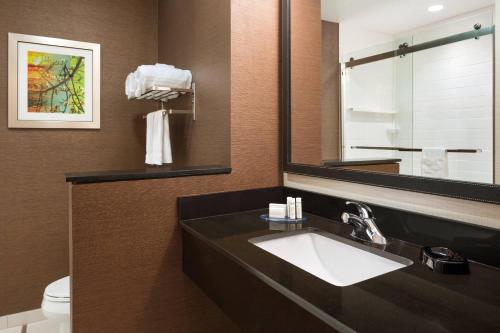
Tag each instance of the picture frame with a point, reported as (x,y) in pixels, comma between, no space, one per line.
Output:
(53,83)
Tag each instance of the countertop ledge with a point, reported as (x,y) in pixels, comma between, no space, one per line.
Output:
(146,173)
(409,299)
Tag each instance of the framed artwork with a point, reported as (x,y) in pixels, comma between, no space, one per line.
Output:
(53,83)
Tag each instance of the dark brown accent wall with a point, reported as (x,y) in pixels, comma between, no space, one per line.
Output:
(33,204)
(330,91)
(126,269)
(306,81)
(195,34)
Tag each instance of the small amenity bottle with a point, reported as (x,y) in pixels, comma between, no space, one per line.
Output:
(292,215)
(288,207)
(298,208)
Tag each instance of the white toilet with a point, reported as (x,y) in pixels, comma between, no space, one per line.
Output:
(56,304)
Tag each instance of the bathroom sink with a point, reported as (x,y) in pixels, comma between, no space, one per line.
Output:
(336,260)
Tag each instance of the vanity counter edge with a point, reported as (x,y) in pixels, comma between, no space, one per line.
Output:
(141,174)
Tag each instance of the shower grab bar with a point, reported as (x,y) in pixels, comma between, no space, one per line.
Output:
(417,149)
(404,49)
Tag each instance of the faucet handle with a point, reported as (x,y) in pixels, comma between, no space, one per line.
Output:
(363,210)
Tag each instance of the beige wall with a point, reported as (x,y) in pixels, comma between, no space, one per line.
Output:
(33,193)
(472,212)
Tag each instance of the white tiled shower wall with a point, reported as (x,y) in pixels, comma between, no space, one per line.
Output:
(453,100)
(443,97)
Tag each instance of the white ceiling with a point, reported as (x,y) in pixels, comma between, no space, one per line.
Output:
(395,16)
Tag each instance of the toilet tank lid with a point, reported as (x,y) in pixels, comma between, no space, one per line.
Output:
(59,288)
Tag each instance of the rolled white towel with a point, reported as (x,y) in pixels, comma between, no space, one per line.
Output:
(163,75)
(153,70)
(130,86)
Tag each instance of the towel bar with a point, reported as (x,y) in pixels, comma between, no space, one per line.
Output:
(162,94)
(172,111)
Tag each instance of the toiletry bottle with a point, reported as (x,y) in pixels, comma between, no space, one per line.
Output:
(288,207)
(298,208)
(292,215)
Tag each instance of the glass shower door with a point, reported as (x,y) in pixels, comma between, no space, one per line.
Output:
(440,96)
(377,107)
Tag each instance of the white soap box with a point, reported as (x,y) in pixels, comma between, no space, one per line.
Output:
(277,210)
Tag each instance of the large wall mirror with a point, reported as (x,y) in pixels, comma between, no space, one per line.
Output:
(395,93)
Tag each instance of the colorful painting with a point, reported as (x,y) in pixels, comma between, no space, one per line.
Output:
(53,83)
(56,83)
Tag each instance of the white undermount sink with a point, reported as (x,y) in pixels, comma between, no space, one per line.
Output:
(334,259)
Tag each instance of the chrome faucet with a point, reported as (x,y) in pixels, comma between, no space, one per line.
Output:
(364,224)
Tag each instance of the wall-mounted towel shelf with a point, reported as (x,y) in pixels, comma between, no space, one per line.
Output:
(162,94)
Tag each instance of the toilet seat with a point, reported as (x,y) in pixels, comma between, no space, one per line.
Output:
(58,291)
(56,302)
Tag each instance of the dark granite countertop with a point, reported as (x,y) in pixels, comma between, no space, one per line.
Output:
(146,173)
(412,299)
(361,161)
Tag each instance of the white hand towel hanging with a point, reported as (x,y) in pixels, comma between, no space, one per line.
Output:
(167,148)
(154,138)
(434,162)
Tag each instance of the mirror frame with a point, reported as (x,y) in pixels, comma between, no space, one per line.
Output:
(489,193)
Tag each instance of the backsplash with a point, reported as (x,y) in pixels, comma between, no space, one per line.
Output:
(476,243)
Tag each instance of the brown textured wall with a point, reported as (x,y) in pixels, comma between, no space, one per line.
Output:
(33,205)
(195,34)
(330,91)
(306,81)
(126,270)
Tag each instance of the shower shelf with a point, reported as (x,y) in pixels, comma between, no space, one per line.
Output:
(372,111)
(162,95)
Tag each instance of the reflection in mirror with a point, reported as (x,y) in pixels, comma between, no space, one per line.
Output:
(394,86)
